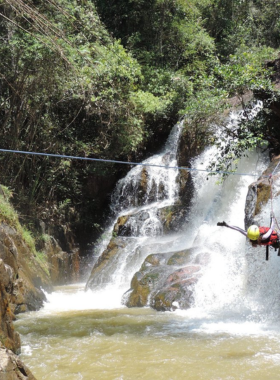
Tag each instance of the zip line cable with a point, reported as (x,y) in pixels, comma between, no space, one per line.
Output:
(125,162)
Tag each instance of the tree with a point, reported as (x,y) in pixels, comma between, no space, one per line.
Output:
(68,88)
(163,33)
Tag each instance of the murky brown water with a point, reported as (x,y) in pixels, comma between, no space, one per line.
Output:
(61,343)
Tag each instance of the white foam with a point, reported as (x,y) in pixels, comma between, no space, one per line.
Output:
(76,298)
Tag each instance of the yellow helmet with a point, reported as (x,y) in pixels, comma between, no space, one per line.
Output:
(253,232)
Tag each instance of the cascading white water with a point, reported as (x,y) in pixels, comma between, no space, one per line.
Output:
(237,281)
(161,190)
(160,186)
(224,280)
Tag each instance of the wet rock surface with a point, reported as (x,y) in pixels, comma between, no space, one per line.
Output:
(8,337)
(259,193)
(166,281)
(115,246)
(12,368)
(164,220)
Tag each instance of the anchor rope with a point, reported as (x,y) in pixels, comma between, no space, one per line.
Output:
(270,180)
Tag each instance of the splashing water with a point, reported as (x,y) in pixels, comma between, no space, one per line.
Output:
(156,184)
(140,195)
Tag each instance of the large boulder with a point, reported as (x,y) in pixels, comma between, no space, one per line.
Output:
(166,281)
(177,290)
(114,247)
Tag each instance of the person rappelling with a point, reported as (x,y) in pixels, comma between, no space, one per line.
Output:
(265,236)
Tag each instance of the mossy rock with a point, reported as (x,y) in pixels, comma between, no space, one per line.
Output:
(119,227)
(112,249)
(179,293)
(263,196)
(163,279)
(173,218)
(141,287)
(155,259)
(180,258)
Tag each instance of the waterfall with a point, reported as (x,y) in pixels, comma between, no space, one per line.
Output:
(145,185)
(234,280)
(224,280)
(140,195)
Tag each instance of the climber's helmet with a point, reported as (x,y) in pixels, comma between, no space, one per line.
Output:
(253,232)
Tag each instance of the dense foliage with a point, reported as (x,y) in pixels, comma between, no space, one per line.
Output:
(108,79)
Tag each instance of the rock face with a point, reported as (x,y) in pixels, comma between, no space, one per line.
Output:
(166,280)
(259,193)
(8,337)
(113,249)
(58,245)
(64,267)
(165,220)
(24,273)
(141,223)
(11,367)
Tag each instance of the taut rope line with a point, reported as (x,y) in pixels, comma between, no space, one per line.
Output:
(125,162)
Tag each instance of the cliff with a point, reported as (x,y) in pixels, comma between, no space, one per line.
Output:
(26,268)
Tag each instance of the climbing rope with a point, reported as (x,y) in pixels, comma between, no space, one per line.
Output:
(270,180)
(275,169)
(272,215)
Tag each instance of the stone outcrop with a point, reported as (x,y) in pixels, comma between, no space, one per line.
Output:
(22,276)
(259,193)
(173,218)
(166,220)
(24,273)
(11,367)
(64,267)
(166,281)
(170,219)
(63,254)
(27,274)
(8,337)
(115,245)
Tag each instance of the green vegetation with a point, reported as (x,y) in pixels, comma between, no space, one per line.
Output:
(42,259)
(9,216)
(7,212)
(108,80)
